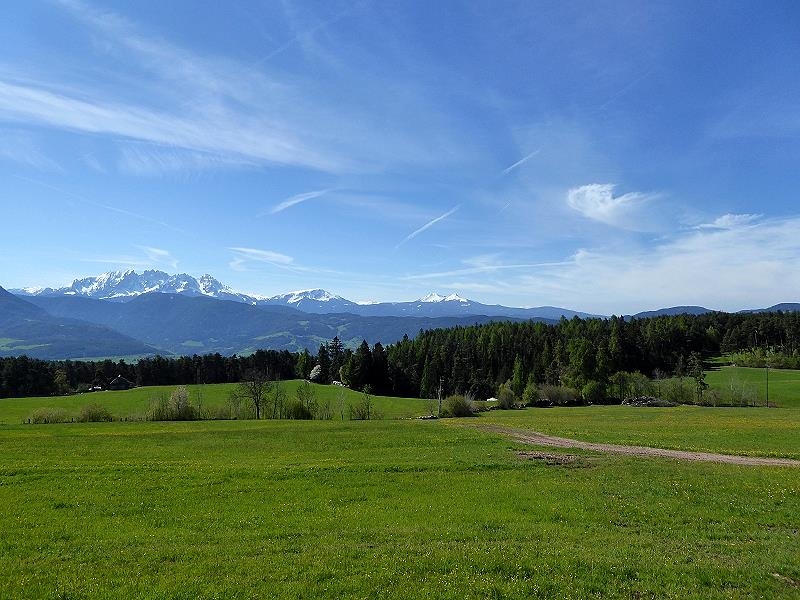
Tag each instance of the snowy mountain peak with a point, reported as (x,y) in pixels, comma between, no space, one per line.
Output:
(209,286)
(125,285)
(434,297)
(317,295)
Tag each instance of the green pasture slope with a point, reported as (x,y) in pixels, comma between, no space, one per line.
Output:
(784,384)
(134,403)
(769,432)
(394,509)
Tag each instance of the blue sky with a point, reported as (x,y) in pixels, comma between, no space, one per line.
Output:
(603,156)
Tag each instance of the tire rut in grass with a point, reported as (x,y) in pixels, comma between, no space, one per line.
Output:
(542,439)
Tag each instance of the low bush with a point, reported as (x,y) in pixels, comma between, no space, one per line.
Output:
(506,399)
(458,406)
(42,416)
(594,392)
(560,395)
(295,409)
(94,413)
(364,410)
(178,407)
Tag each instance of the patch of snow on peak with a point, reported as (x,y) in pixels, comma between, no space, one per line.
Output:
(210,286)
(432,297)
(455,298)
(316,295)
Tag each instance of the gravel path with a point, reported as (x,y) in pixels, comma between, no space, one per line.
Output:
(541,439)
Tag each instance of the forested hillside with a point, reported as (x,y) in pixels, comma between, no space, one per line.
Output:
(475,359)
(578,351)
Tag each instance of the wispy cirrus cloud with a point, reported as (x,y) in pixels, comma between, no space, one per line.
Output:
(159,256)
(154,160)
(72,196)
(22,148)
(597,201)
(293,200)
(227,133)
(730,221)
(521,161)
(243,256)
(428,225)
(241,113)
(149,258)
(484,264)
(715,267)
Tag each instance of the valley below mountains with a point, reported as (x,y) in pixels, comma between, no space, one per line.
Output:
(126,314)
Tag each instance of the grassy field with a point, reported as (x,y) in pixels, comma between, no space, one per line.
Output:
(784,384)
(244,509)
(394,508)
(134,403)
(746,431)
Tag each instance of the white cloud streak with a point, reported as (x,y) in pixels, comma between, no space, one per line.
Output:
(522,161)
(21,148)
(107,207)
(596,201)
(730,221)
(296,199)
(160,256)
(244,256)
(727,269)
(427,225)
(167,96)
(483,265)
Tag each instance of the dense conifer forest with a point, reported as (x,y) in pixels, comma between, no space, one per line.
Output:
(576,353)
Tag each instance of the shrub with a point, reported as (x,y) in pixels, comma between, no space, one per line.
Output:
(530,395)
(678,389)
(94,413)
(295,409)
(458,406)
(325,411)
(364,410)
(42,416)
(159,409)
(181,407)
(594,392)
(177,408)
(506,399)
(559,395)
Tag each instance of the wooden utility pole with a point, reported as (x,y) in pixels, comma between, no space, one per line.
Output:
(441,383)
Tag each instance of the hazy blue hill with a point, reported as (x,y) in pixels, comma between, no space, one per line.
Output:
(672,311)
(186,325)
(31,330)
(783,307)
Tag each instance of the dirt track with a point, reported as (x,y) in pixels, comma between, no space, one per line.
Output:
(541,439)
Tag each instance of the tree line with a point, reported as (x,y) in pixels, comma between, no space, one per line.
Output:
(22,376)
(583,354)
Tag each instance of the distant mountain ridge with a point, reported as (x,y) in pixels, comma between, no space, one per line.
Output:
(181,325)
(31,330)
(123,286)
(126,314)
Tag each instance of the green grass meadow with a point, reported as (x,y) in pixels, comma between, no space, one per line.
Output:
(377,509)
(394,508)
(728,430)
(133,404)
(784,384)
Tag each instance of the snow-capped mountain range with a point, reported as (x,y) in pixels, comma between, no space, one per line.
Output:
(124,285)
(121,286)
